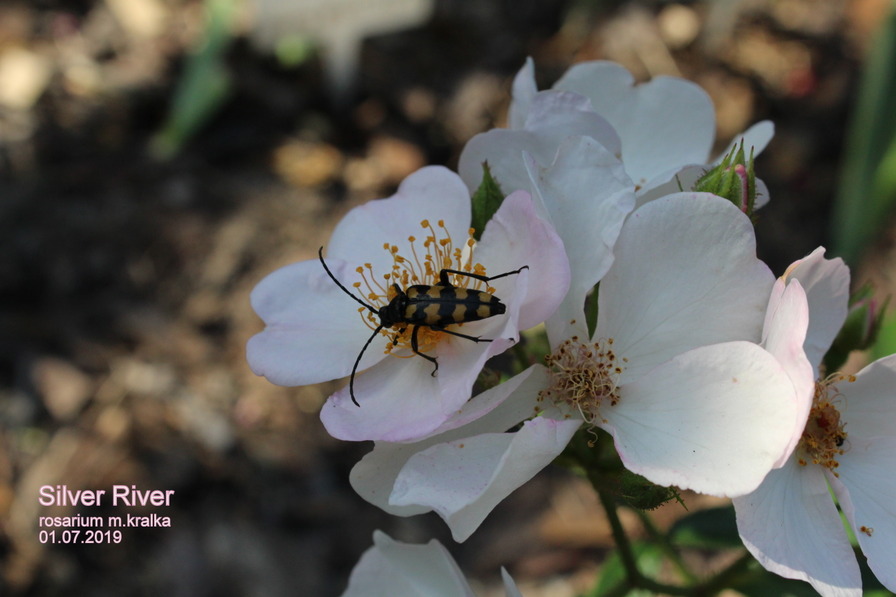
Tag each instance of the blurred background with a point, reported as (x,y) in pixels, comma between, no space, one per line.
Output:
(159,157)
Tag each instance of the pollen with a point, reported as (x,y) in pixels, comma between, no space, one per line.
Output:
(418,262)
(584,376)
(824,438)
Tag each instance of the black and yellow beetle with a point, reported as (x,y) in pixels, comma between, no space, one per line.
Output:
(434,307)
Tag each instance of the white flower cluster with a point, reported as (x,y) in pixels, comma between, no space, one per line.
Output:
(702,366)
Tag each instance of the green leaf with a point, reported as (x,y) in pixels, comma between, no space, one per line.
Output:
(759,582)
(886,338)
(204,85)
(612,574)
(486,201)
(866,194)
(712,528)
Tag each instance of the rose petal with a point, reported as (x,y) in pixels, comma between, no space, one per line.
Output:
(432,193)
(714,419)
(791,525)
(404,386)
(685,275)
(868,472)
(869,407)
(463,480)
(663,124)
(374,476)
(523,92)
(510,587)
(517,236)
(826,282)
(313,332)
(553,116)
(392,568)
(586,195)
(783,337)
(755,139)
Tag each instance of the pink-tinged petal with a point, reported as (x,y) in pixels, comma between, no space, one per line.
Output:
(553,116)
(791,525)
(868,473)
(869,403)
(783,336)
(313,331)
(685,275)
(405,384)
(489,412)
(663,124)
(399,400)
(392,568)
(432,193)
(463,480)
(523,92)
(517,236)
(714,419)
(826,282)
(586,195)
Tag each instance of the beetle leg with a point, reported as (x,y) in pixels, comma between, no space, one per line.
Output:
(465,336)
(416,350)
(443,275)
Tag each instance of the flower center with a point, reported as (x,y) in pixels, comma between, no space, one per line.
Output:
(421,266)
(584,376)
(824,438)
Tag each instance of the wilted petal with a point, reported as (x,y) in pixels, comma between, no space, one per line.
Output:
(714,419)
(391,568)
(791,525)
(685,275)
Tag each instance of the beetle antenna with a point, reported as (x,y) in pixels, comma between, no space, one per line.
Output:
(320,254)
(351,382)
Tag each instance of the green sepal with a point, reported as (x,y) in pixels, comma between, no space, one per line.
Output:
(592,454)
(486,201)
(636,491)
(734,178)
